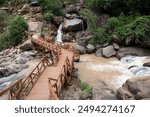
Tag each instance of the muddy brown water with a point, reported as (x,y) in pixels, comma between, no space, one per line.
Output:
(112,71)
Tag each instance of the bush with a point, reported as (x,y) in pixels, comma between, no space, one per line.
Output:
(48,16)
(86,88)
(54,6)
(2,2)
(14,35)
(3,18)
(138,29)
(116,7)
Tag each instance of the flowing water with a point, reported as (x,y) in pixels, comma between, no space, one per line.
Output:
(58,38)
(112,71)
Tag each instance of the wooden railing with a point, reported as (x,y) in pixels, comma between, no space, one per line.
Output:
(68,47)
(64,78)
(30,81)
(51,47)
(22,87)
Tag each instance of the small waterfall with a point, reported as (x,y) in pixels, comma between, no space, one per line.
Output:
(58,38)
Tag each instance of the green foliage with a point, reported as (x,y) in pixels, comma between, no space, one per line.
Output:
(16,28)
(100,36)
(118,6)
(3,18)
(48,16)
(138,29)
(86,88)
(134,27)
(14,35)
(3,2)
(54,6)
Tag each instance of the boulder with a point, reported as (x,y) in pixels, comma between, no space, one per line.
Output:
(135,88)
(4,72)
(109,51)
(80,49)
(90,48)
(103,91)
(116,46)
(134,51)
(99,52)
(73,25)
(35,27)
(27,45)
(146,64)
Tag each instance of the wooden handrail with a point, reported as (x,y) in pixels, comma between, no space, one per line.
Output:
(62,78)
(22,87)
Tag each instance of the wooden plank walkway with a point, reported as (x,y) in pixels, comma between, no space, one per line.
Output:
(41,89)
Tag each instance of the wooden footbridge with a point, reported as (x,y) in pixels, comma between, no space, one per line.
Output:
(49,76)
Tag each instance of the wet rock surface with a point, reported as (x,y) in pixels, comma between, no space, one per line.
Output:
(73,25)
(90,48)
(109,51)
(80,49)
(135,88)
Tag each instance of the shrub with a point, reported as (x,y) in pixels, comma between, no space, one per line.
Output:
(86,88)
(14,35)
(138,29)
(3,18)
(48,16)
(116,7)
(16,28)
(54,6)
(2,2)
(100,36)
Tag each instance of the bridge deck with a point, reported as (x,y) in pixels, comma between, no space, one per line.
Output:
(41,89)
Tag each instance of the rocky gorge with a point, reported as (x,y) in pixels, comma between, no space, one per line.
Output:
(114,72)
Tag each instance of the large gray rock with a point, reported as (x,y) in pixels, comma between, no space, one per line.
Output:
(70,9)
(35,26)
(73,25)
(116,46)
(99,52)
(135,88)
(4,72)
(109,51)
(90,48)
(80,49)
(134,51)
(27,45)
(103,91)
(12,69)
(146,64)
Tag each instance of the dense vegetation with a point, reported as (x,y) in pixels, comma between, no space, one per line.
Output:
(120,6)
(14,33)
(129,21)
(52,6)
